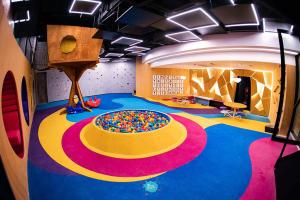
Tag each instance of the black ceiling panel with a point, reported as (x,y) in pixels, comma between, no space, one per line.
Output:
(164,25)
(146,19)
(106,35)
(271,25)
(237,14)
(139,17)
(135,30)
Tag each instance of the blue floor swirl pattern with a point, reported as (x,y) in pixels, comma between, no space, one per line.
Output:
(222,171)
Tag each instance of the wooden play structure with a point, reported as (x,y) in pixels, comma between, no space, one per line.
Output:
(73,50)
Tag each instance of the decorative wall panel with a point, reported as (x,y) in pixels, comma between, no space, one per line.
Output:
(219,84)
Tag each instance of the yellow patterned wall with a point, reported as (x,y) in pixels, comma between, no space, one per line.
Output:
(219,84)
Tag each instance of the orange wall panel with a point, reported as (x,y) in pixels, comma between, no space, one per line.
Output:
(13,59)
(288,104)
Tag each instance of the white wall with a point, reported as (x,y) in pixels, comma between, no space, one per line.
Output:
(247,46)
(105,78)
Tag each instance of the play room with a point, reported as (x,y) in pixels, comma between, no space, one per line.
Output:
(136,100)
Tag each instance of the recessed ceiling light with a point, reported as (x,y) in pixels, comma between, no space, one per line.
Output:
(87,7)
(247,24)
(175,18)
(137,49)
(114,55)
(127,40)
(184,36)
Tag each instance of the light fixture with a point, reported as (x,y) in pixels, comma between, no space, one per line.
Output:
(173,19)
(104,60)
(114,55)
(13,1)
(127,40)
(120,60)
(93,3)
(291,29)
(264,25)
(24,20)
(188,34)
(137,53)
(247,24)
(137,49)
(123,13)
(232,2)
(237,80)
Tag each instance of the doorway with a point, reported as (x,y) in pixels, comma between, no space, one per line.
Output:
(243,91)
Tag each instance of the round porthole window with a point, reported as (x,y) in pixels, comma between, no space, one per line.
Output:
(11,114)
(68,44)
(25,100)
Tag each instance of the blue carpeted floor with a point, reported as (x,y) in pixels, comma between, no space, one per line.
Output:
(221,171)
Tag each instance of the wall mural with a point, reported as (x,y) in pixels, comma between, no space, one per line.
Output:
(220,84)
(167,85)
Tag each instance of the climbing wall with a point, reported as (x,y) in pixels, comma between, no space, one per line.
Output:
(105,78)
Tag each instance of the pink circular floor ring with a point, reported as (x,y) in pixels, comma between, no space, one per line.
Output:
(186,152)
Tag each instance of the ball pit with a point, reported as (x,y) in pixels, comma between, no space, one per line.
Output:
(132,121)
(132,134)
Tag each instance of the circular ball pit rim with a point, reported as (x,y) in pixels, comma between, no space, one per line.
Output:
(128,133)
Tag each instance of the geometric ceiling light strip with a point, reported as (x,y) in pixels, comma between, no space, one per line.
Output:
(120,60)
(123,13)
(137,49)
(13,1)
(184,36)
(126,41)
(291,29)
(232,2)
(247,24)
(114,55)
(104,60)
(24,20)
(264,25)
(136,53)
(87,7)
(191,16)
